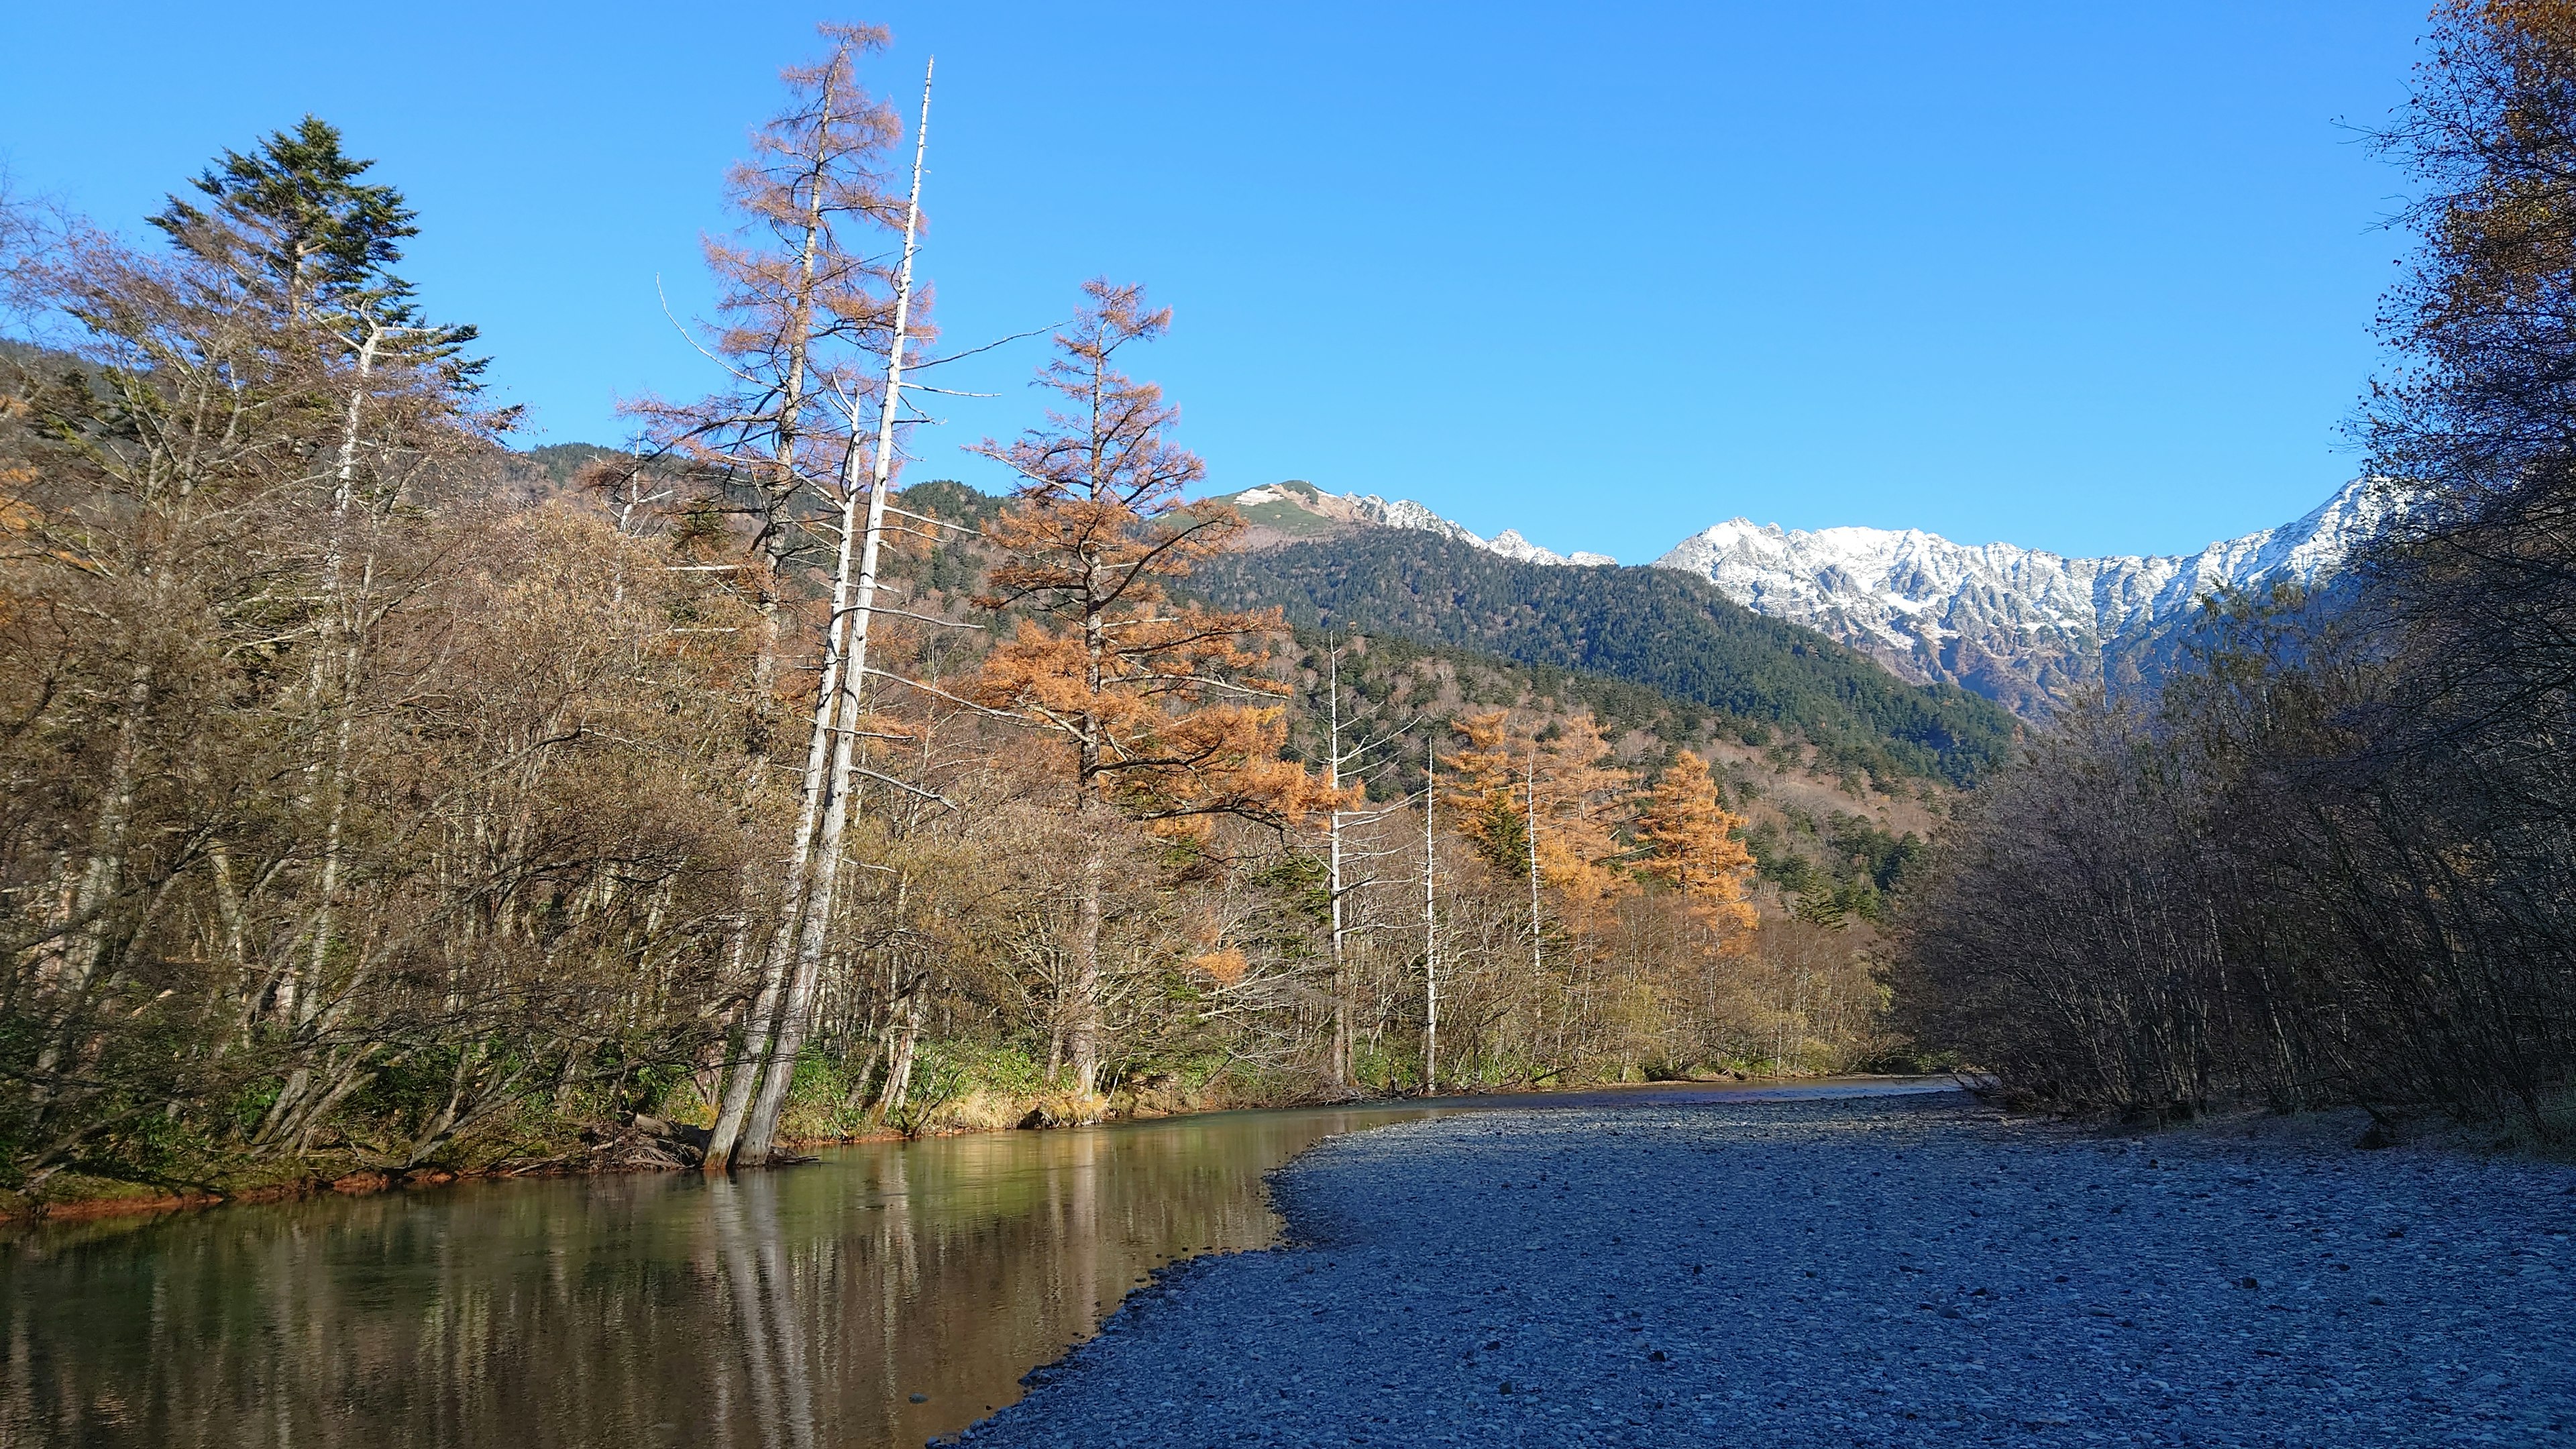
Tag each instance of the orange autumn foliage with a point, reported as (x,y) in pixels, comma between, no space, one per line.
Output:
(1691,842)
(1159,708)
(1155,712)
(1225,966)
(1578,798)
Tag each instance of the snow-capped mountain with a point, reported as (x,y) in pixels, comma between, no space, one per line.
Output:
(2020,626)
(1297,508)
(2017,625)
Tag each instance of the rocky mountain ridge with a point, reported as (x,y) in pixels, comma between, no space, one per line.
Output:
(2021,626)
(1295,509)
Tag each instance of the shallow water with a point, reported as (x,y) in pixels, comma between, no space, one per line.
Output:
(792,1308)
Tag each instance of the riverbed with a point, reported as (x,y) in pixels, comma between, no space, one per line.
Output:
(886,1294)
(1860,1272)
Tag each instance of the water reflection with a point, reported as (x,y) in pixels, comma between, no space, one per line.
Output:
(794,1309)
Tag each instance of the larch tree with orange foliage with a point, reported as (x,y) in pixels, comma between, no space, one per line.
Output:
(817,330)
(804,310)
(1691,841)
(1484,771)
(1157,709)
(1546,803)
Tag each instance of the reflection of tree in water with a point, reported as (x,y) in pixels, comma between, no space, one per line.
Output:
(783,1310)
(760,1303)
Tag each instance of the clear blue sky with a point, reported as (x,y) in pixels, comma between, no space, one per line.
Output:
(2087,277)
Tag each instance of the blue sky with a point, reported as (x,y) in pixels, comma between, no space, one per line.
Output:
(2092,278)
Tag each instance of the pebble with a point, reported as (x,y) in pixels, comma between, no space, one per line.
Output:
(1863,1272)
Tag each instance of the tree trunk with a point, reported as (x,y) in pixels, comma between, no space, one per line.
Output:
(91,930)
(1538,969)
(836,712)
(1338,1065)
(898,1085)
(1430,931)
(743,1073)
(289,1006)
(1083,1030)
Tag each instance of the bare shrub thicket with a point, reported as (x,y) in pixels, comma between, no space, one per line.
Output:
(2333,863)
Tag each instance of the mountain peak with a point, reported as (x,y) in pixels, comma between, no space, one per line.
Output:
(2022,626)
(1297,509)
(2019,625)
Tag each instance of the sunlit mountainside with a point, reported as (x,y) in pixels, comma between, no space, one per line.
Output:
(2019,626)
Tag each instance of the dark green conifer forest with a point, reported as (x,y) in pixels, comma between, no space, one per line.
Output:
(1670,632)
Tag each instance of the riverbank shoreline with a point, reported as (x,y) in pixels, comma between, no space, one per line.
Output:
(1865,1271)
(19,1212)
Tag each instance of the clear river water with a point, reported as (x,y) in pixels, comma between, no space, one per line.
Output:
(886,1294)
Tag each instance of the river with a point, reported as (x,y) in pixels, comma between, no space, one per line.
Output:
(886,1294)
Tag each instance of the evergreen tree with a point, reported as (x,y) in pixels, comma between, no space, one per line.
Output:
(298,229)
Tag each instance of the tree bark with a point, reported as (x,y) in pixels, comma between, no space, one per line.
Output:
(836,712)
(1084,1030)
(90,927)
(743,1074)
(288,1005)
(1339,1065)
(898,1087)
(1430,929)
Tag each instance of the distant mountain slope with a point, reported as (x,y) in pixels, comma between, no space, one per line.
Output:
(1297,509)
(2017,625)
(2020,626)
(1818,830)
(1656,627)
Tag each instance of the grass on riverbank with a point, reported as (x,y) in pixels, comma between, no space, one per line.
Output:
(958,1087)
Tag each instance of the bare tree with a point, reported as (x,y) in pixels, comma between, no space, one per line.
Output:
(837,702)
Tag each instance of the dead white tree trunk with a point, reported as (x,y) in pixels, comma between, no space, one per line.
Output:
(1341,1051)
(1529,786)
(836,711)
(1430,926)
(898,1085)
(760,1026)
(288,1005)
(1344,765)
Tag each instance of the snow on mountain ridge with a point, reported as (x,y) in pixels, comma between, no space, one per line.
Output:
(1406,514)
(2016,624)
(2022,626)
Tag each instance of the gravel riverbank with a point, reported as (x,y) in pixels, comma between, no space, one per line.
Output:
(1860,1272)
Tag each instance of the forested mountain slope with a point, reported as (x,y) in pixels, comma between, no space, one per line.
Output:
(1828,832)
(1657,627)
(2023,627)
(1824,838)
